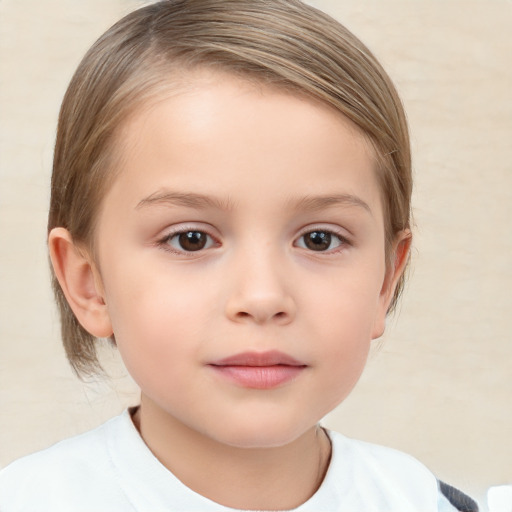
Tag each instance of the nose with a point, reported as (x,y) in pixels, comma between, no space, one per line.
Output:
(259,291)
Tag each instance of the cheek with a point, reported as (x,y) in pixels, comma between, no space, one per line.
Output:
(347,305)
(156,321)
(343,319)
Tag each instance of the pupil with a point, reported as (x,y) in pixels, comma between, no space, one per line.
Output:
(318,240)
(192,240)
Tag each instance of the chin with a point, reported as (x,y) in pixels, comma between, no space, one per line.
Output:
(261,434)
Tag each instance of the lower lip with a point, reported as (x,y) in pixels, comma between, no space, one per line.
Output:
(259,377)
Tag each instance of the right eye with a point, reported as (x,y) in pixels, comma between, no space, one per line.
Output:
(189,241)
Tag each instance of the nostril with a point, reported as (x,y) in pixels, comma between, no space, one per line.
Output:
(280,315)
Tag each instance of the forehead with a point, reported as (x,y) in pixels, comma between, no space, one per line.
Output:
(200,86)
(212,127)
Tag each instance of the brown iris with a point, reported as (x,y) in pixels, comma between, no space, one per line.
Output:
(192,240)
(317,240)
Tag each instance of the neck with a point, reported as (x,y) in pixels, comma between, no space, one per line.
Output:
(276,478)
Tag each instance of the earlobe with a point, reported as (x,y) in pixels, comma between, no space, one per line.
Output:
(395,269)
(80,282)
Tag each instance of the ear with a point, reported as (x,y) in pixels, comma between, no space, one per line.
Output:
(395,268)
(81,283)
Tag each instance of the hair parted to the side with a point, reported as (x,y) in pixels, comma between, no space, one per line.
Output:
(284,43)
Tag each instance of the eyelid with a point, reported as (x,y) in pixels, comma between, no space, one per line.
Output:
(330,228)
(163,240)
(334,230)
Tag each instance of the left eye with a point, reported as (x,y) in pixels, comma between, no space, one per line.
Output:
(190,241)
(319,240)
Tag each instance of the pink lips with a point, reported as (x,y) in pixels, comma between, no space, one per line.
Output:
(259,370)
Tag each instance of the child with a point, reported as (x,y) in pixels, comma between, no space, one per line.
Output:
(230,207)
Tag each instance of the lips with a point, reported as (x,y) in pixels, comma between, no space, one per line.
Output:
(259,370)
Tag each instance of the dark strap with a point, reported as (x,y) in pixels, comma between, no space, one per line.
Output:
(458,499)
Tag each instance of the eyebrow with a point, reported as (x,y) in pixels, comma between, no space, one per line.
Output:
(187,199)
(201,201)
(314,203)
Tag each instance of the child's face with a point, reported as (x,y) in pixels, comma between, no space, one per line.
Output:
(244,221)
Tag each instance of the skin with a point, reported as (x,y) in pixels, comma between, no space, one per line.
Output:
(269,168)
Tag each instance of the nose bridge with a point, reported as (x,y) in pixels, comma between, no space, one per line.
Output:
(260,284)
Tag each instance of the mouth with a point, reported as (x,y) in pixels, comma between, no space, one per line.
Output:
(259,370)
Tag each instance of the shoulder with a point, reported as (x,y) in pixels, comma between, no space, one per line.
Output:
(63,474)
(388,479)
(382,463)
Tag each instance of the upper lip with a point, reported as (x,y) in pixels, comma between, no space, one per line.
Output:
(269,358)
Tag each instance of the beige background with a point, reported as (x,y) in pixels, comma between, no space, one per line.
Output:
(440,386)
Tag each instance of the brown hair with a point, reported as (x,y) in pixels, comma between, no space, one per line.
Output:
(280,42)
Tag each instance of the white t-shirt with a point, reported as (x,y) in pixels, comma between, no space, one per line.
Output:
(110,469)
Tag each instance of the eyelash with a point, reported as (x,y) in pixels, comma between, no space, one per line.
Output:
(343,241)
(165,242)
